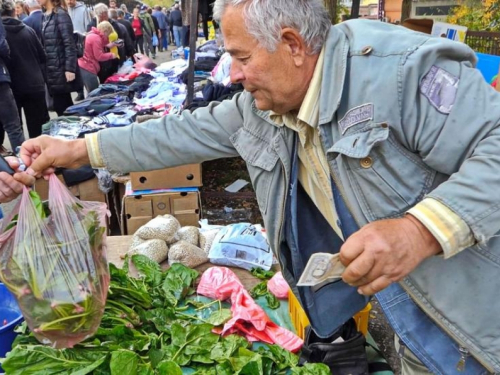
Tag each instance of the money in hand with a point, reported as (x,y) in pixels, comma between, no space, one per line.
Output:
(322,268)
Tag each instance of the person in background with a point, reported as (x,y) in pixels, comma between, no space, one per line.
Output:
(27,59)
(176,22)
(35,19)
(120,14)
(22,11)
(138,27)
(186,21)
(112,4)
(62,68)
(127,14)
(94,53)
(9,116)
(126,49)
(156,32)
(147,31)
(164,28)
(80,16)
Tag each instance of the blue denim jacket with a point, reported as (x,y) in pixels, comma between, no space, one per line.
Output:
(376,102)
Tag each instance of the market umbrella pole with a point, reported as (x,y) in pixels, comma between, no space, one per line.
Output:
(193,35)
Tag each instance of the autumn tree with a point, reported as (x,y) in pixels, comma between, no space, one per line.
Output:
(477,15)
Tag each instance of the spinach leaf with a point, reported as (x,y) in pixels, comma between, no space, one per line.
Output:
(168,368)
(261,273)
(124,362)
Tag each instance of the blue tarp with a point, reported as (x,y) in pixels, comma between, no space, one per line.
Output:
(488,65)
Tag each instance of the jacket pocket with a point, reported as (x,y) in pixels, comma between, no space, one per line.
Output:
(386,178)
(261,161)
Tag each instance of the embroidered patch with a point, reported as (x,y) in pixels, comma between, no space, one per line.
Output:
(440,87)
(355,116)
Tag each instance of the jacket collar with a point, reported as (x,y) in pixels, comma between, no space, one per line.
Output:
(334,69)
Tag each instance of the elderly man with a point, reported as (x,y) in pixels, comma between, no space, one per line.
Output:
(35,19)
(364,139)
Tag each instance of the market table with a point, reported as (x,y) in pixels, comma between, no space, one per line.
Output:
(117,247)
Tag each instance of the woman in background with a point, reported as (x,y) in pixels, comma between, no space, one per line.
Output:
(95,42)
(60,47)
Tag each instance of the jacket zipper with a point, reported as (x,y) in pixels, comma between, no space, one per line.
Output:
(283,203)
(464,351)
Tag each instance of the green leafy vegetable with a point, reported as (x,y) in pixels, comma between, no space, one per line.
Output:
(262,274)
(151,326)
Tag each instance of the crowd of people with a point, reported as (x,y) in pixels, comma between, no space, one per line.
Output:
(41,63)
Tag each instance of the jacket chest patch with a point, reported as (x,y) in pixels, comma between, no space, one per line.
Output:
(440,88)
(356,116)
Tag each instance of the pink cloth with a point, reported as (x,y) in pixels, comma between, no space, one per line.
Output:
(248,318)
(278,286)
(93,53)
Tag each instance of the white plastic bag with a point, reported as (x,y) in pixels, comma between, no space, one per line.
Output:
(241,245)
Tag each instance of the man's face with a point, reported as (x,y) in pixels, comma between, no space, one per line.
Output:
(112,4)
(267,76)
(71,3)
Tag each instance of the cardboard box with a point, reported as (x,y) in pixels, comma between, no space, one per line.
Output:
(86,191)
(182,176)
(139,209)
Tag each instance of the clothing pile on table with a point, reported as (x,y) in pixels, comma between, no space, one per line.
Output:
(144,88)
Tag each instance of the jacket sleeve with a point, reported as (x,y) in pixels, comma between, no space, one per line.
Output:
(450,116)
(173,140)
(4,46)
(65,27)
(42,57)
(98,50)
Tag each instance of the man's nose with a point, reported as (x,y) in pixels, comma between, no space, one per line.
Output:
(236,73)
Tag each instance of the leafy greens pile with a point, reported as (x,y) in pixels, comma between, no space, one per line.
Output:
(151,326)
(261,288)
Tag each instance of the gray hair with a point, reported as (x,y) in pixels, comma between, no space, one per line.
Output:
(264,20)
(100,9)
(32,4)
(113,14)
(7,8)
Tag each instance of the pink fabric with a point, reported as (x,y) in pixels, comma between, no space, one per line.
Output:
(94,51)
(248,318)
(278,286)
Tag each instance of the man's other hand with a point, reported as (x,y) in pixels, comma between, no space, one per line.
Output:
(44,153)
(384,252)
(12,186)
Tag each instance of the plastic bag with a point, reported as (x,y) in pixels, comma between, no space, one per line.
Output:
(155,40)
(278,286)
(53,259)
(241,245)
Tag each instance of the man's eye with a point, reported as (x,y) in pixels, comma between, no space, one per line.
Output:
(243,59)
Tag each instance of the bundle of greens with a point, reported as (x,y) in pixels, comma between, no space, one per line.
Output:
(154,325)
(261,288)
(52,259)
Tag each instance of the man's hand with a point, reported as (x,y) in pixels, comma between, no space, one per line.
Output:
(12,186)
(44,153)
(384,252)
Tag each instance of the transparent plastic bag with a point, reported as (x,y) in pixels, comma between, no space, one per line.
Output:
(53,259)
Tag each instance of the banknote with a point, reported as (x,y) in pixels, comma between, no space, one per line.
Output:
(322,268)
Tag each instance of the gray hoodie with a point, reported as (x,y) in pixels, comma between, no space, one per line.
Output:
(80,15)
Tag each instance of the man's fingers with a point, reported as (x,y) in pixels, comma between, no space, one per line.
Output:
(375,286)
(13,162)
(40,164)
(358,269)
(24,179)
(351,249)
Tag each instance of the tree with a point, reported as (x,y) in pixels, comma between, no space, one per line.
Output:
(336,10)
(477,15)
(406,10)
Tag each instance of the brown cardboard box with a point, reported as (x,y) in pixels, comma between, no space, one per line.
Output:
(423,25)
(182,176)
(86,191)
(138,210)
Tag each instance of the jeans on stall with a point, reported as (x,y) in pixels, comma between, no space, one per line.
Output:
(90,80)
(9,116)
(139,43)
(35,111)
(178,36)
(61,102)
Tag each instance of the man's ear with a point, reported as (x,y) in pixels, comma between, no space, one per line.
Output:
(294,44)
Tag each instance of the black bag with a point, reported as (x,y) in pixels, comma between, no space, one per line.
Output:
(347,357)
(79,42)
